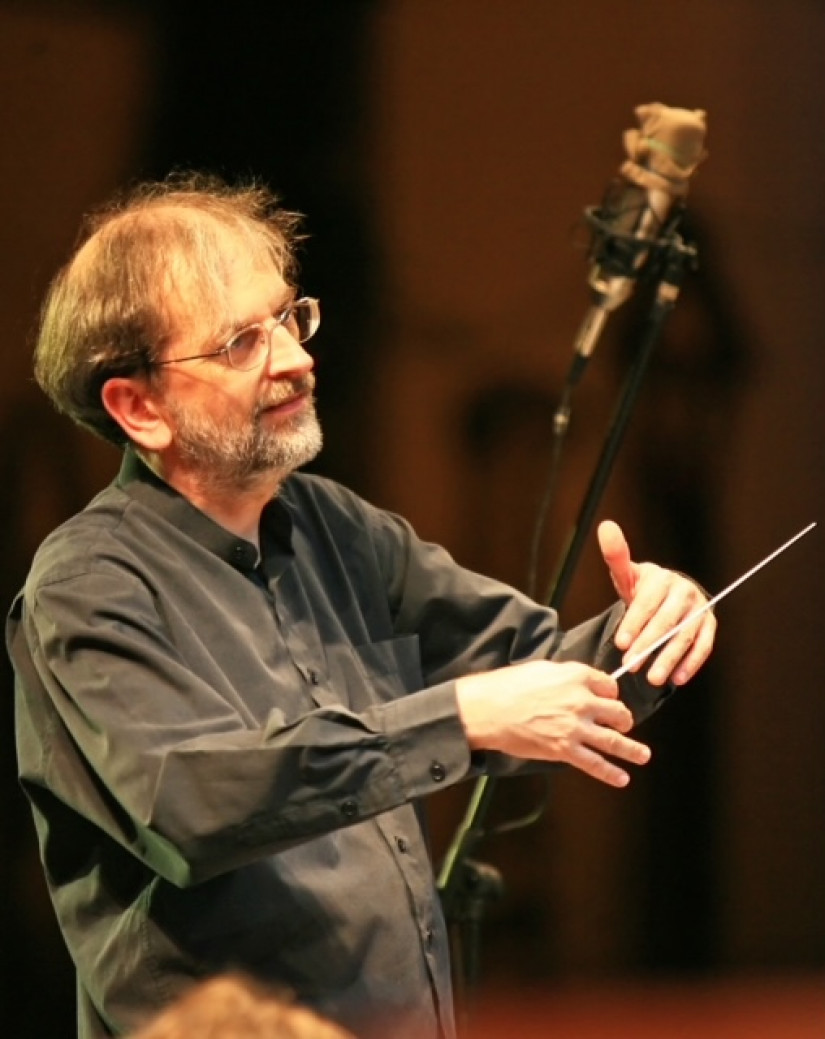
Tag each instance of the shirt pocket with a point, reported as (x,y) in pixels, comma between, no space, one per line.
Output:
(377,672)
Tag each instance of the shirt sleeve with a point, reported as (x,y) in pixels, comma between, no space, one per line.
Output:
(467,622)
(164,755)
(115,725)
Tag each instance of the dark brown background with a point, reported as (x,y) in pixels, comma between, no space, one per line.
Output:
(443,154)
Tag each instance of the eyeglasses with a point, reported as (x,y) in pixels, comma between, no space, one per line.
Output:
(250,347)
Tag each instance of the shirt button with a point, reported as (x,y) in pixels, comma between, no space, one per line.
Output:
(428,938)
(438,772)
(314,678)
(349,809)
(401,843)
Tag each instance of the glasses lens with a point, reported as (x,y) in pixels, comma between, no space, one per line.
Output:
(247,348)
(306,317)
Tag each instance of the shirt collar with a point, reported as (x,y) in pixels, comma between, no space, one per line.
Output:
(144,485)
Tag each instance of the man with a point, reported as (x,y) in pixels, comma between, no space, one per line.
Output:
(235,683)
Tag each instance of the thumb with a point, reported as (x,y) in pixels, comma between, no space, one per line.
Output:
(616,554)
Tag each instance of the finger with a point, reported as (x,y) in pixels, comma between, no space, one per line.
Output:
(607,741)
(664,666)
(613,713)
(599,767)
(671,622)
(678,654)
(594,765)
(602,685)
(697,653)
(661,630)
(616,554)
(654,610)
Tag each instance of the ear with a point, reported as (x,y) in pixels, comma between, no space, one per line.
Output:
(132,405)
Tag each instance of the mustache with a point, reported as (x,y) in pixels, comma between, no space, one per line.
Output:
(286,390)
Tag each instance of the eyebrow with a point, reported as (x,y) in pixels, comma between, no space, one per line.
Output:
(283,301)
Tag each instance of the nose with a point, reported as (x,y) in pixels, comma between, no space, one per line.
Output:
(287,356)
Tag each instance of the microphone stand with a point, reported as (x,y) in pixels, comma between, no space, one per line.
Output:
(675,257)
(467,886)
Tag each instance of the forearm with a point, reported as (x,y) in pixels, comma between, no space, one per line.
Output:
(202,804)
(125,732)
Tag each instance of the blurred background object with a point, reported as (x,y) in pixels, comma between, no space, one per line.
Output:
(444,154)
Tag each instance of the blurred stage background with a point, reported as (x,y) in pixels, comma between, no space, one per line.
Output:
(444,151)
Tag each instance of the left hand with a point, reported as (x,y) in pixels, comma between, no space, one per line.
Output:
(656,600)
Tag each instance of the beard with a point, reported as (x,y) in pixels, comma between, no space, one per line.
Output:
(237,452)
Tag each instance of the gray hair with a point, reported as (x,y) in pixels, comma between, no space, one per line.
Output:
(153,252)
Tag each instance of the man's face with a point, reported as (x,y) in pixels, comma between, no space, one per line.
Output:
(230,427)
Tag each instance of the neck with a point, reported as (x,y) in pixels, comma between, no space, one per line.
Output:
(236,508)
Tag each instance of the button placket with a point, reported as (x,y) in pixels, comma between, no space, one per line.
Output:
(300,655)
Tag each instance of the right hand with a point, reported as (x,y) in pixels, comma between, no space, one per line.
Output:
(542,710)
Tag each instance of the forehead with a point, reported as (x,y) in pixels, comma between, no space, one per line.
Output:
(223,277)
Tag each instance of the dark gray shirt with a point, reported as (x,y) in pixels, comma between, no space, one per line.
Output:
(224,753)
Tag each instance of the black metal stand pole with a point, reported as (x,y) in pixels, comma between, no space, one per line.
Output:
(663,303)
(465,886)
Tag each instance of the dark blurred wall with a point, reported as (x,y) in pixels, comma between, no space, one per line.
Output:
(500,125)
(97,94)
(281,91)
(443,154)
(75,92)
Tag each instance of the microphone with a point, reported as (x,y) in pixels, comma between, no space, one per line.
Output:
(633,218)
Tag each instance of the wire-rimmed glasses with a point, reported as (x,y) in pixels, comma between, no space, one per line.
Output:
(249,347)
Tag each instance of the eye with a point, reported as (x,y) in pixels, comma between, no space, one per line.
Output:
(244,349)
(288,318)
(300,318)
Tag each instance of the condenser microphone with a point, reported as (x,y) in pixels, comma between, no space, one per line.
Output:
(636,212)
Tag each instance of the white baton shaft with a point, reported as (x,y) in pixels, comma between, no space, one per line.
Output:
(691,617)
